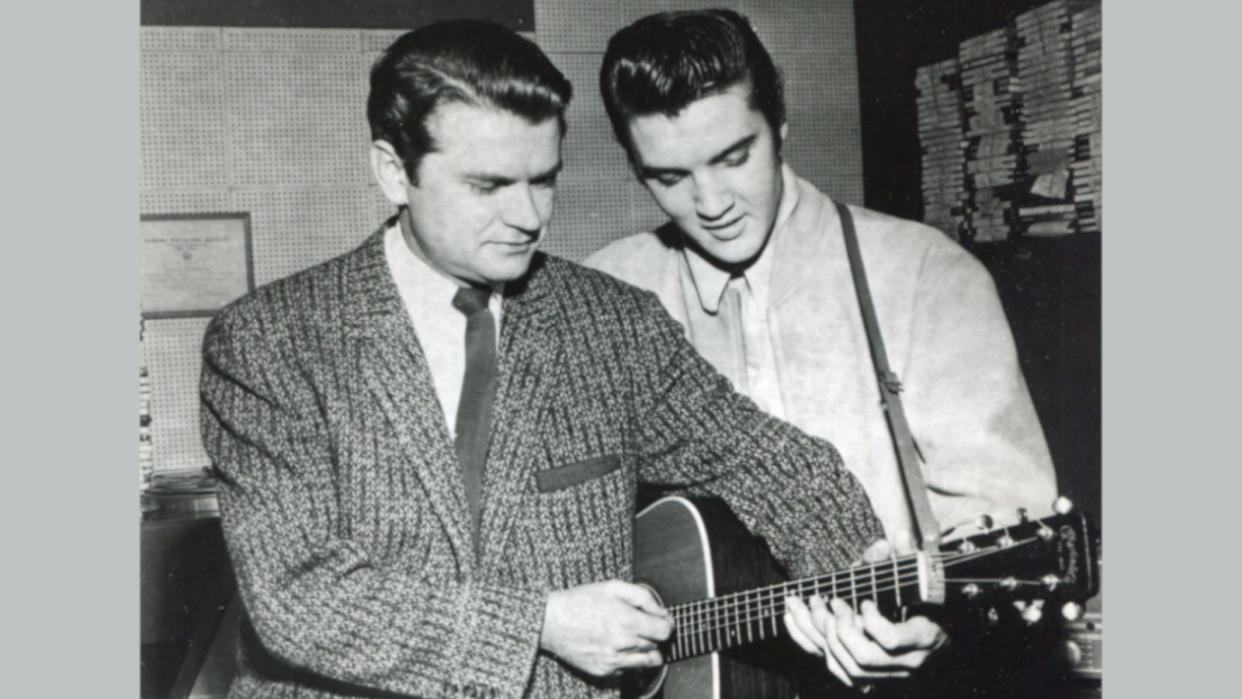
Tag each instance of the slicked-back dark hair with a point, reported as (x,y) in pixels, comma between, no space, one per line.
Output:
(468,61)
(663,62)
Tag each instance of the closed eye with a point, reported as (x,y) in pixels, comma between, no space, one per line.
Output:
(545,181)
(737,159)
(668,179)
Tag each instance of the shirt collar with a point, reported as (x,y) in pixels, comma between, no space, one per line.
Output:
(710,281)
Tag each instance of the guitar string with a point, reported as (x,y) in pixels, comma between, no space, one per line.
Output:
(759,609)
(694,640)
(904,564)
(775,607)
(703,620)
(743,609)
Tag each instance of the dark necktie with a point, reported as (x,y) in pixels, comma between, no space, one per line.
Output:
(474,411)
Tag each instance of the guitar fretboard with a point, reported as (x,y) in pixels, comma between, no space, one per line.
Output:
(719,623)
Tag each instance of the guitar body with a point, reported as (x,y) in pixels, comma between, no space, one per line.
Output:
(691,550)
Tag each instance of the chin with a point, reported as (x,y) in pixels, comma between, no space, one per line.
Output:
(511,268)
(734,252)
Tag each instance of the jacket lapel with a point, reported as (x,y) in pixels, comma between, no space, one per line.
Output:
(523,388)
(813,309)
(395,372)
(807,240)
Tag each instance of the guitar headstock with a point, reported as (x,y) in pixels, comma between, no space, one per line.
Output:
(1034,563)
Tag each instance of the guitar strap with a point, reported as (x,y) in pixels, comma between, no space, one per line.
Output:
(926,531)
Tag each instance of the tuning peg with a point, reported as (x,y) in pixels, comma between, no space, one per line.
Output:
(1062,505)
(1033,612)
(984,522)
(1022,515)
(1072,611)
(1050,581)
(1073,652)
(1045,532)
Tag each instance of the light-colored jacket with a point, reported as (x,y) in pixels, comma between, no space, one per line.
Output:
(946,337)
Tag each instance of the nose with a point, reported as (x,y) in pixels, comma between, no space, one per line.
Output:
(712,199)
(524,210)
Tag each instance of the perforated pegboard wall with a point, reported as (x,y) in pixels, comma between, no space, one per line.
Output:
(296,118)
(295,228)
(279,40)
(805,26)
(181,118)
(588,215)
(272,122)
(589,151)
(152,39)
(170,351)
(265,121)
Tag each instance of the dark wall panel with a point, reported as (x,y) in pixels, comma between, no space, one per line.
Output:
(894,38)
(336,14)
(1050,288)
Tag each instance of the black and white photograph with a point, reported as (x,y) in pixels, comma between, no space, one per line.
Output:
(586,348)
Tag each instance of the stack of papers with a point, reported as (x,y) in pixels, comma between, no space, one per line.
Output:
(940,140)
(1044,79)
(1087,164)
(991,137)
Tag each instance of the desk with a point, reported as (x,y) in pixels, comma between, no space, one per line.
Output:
(189,612)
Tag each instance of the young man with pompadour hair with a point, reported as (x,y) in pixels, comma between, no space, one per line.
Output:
(753,265)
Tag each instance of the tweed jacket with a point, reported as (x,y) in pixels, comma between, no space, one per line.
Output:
(945,334)
(342,502)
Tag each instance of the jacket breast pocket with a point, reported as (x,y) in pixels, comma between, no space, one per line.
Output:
(577,527)
(562,477)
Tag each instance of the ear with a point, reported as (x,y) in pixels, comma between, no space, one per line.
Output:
(784,131)
(389,172)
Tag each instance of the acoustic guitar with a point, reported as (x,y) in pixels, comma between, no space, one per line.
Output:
(727,599)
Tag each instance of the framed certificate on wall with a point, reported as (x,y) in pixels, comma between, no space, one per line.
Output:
(192,264)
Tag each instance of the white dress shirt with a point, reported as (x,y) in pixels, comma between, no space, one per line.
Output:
(441,329)
(742,303)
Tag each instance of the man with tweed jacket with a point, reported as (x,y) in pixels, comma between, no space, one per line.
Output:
(365,566)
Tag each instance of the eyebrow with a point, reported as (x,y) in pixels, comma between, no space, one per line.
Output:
(738,145)
(501,180)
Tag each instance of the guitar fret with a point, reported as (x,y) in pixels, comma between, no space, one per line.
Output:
(896,583)
(748,618)
(875,587)
(704,632)
(775,606)
(716,627)
(680,644)
(853,591)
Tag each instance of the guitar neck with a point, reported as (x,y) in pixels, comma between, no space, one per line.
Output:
(718,623)
(1052,559)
